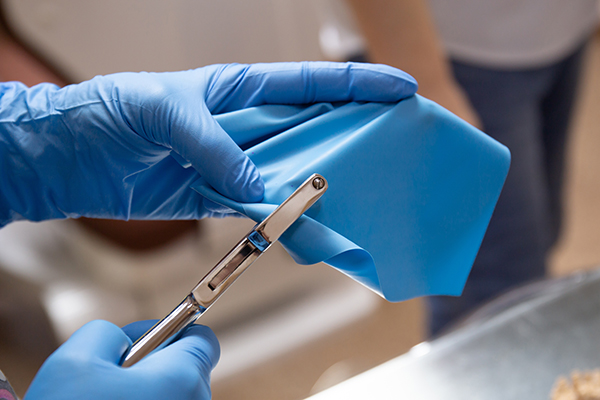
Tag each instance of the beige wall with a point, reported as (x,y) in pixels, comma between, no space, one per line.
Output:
(87,38)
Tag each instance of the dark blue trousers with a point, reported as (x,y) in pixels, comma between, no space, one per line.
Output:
(529,112)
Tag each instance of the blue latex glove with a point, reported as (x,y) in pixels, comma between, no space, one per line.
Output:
(87,367)
(101,148)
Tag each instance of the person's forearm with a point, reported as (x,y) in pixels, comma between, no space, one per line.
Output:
(24,119)
(401,33)
(19,65)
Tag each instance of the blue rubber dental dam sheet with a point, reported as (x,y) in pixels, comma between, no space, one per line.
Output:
(412,188)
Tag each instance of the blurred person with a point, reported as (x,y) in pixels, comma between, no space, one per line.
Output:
(512,69)
(113,147)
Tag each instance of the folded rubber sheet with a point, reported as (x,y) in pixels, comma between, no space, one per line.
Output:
(411,188)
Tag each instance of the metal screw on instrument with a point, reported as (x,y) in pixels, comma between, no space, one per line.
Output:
(318,183)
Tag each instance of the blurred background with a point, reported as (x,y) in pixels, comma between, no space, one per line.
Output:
(287,331)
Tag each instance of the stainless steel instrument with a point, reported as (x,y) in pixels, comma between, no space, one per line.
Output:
(214,284)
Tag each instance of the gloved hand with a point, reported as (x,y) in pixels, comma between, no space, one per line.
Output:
(101,148)
(87,367)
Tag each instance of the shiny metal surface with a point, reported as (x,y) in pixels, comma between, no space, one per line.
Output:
(318,183)
(515,348)
(212,286)
(292,208)
(218,279)
(208,290)
(165,330)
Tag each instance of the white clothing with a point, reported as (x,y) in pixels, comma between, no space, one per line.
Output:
(513,33)
(500,33)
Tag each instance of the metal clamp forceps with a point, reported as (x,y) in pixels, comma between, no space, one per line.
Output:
(214,284)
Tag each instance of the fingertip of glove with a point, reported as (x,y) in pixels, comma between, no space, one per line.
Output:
(216,208)
(136,329)
(98,339)
(383,82)
(256,189)
(248,186)
(205,342)
(100,327)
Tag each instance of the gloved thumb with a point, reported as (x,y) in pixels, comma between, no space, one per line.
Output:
(199,139)
(136,329)
(198,347)
(96,340)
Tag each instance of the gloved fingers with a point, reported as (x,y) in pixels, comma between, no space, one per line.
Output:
(200,342)
(216,215)
(184,163)
(198,347)
(136,329)
(237,86)
(197,137)
(96,340)
(164,189)
(218,209)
